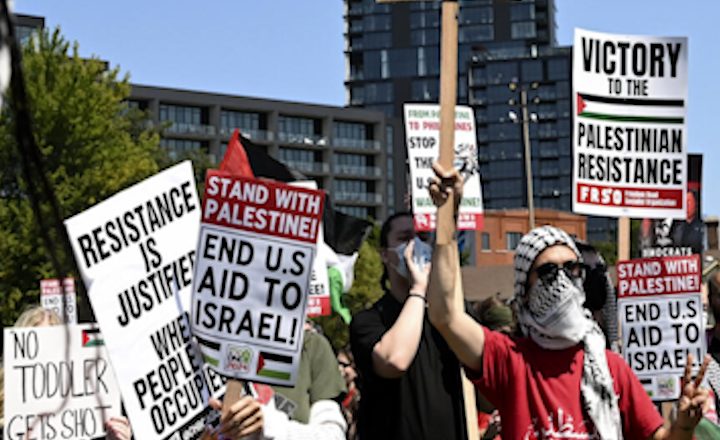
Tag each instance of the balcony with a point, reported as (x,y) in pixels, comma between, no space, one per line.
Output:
(363,144)
(353,170)
(309,167)
(255,135)
(358,197)
(300,138)
(184,128)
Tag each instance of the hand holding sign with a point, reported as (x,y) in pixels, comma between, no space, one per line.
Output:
(445,183)
(241,419)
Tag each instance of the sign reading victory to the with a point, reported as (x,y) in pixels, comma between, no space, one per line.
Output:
(630,134)
(252,275)
(422,129)
(58,383)
(660,316)
(136,252)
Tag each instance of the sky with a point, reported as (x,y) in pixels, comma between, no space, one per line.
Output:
(293,49)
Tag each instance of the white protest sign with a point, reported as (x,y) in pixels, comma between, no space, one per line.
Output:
(660,316)
(255,253)
(630,135)
(51,298)
(319,293)
(422,129)
(136,252)
(58,383)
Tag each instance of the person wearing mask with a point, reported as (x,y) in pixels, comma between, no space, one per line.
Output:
(409,377)
(558,381)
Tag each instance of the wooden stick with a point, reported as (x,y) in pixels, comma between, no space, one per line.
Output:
(448,96)
(623,238)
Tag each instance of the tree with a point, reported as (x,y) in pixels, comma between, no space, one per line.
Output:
(91,145)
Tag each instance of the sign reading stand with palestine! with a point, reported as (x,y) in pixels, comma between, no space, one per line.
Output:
(422,129)
(58,383)
(136,252)
(252,275)
(630,136)
(660,316)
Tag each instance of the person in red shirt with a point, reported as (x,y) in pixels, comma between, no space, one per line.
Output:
(558,381)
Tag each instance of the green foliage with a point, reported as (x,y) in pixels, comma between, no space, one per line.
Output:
(364,292)
(92,147)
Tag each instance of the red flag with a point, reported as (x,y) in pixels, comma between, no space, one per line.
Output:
(236,161)
(580,104)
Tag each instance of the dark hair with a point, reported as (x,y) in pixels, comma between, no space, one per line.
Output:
(384,233)
(385,229)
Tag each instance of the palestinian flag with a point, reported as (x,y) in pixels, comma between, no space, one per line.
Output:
(634,110)
(92,338)
(343,233)
(274,366)
(210,351)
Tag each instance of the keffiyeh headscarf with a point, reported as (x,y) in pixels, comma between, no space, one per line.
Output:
(551,313)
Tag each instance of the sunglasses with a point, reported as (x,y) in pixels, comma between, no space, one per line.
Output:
(549,271)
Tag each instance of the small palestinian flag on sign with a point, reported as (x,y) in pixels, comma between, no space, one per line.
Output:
(92,338)
(274,366)
(210,351)
(635,110)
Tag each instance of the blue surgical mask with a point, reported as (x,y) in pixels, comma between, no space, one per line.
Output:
(422,255)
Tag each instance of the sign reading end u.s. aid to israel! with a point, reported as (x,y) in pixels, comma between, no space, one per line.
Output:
(252,276)
(661,320)
(630,128)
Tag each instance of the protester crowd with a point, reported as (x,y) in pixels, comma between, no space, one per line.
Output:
(541,363)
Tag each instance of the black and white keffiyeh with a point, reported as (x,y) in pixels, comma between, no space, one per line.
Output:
(551,313)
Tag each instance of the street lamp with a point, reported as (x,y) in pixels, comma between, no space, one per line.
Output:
(526,119)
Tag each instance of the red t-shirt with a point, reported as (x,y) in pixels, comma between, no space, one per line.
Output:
(537,391)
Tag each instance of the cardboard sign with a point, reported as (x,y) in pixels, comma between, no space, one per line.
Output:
(319,294)
(58,383)
(136,252)
(51,298)
(255,253)
(668,237)
(630,135)
(661,320)
(422,128)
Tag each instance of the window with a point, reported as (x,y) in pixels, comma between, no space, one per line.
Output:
(355,160)
(379,92)
(350,130)
(233,119)
(425,19)
(424,37)
(512,240)
(376,22)
(178,148)
(299,126)
(558,69)
(531,71)
(181,114)
(295,155)
(475,33)
(483,15)
(425,90)
(351,186)
(522,11)
(502,73)
(523,29)
(376,40)
(485,241)
(356,211)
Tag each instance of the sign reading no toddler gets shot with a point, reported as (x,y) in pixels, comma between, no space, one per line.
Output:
(252,275)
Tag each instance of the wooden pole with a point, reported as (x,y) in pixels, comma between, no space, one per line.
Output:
(448,96)
(446,226)
(623,238)
(528,158)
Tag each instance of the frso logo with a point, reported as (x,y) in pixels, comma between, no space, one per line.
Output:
(239,358)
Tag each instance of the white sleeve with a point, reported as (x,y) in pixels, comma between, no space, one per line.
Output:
(326,423)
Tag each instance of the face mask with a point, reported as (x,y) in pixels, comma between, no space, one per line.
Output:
(422,255)
(554,312)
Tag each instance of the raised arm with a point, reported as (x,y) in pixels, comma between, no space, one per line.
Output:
(396,350)
(463,334)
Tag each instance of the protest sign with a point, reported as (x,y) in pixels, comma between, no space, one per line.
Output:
(51,298)
(422,129)
(136,252)
(630,130)
(319,294)
(255,252)
(668,237)
(661,320)
(58,383)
